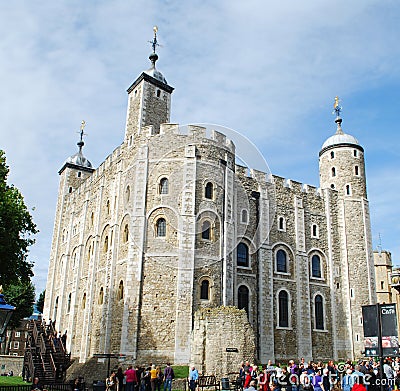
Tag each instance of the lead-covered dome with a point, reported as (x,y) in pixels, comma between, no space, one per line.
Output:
(79,160)
(340,138)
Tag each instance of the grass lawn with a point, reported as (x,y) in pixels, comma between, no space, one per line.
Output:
(12,381)
(181,371)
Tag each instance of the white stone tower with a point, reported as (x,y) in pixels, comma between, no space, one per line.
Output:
(342,169)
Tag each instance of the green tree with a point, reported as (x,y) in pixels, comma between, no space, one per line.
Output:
(22,296)
(40,301)
(16,229)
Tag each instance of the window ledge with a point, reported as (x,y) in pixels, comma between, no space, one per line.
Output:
(321,331)
(244,267)
(282,273)
(284,328)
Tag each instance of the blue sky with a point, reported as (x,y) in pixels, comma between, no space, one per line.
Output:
(267,69)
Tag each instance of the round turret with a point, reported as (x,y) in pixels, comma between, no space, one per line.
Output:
(341,163)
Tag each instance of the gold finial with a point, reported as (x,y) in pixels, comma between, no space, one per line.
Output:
(155,29)
(336,104)
(1,289)
(83,124)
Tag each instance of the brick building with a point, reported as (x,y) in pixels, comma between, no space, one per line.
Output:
(169,224)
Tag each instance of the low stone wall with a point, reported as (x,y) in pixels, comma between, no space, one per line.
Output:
(11,363)
(222,338)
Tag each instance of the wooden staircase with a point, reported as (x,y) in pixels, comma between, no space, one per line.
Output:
(45,356)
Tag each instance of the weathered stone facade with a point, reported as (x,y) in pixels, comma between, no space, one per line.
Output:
(169,225)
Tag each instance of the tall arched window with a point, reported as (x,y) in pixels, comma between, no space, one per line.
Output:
(319,312)
(283,309)
(243,298)
(120,294)
(161,227)
(163,187)
(208,193)
(281,264)
(205,290)
(316,266)
(242,255)
(206,230)
(127,193)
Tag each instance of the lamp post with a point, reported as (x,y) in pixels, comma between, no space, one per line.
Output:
(6,311)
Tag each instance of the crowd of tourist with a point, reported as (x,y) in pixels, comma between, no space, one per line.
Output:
(317,376)
(141,378)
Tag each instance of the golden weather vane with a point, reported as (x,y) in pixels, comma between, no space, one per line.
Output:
(83,124)
(336,107)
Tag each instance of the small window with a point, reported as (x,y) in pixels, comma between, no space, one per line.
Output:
(84,301)
(205,290)
(281,266)
(281,224)
(319,312)
(348,190)
(108,207)
(332,155)
(316,266)
(17,334)
(161,228)
(101,296)
(69,303)
(120,294)
(333,171)
(283,309)
(332,186)
(208,193)
(127,193)
(158,93)
(16,345)
(314,230)
(242,255)
(126,234)
(352,293)
(337,285)
(355,152)
(356,171)
(70,190)
(163,187)
(105,247)
(244,216)
(382,285)
(92,219)
(79,174)
(206,230)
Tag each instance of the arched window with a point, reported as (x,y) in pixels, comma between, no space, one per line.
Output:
(332,154)
(242,255)
(281,223)
(316,266)
(69,303)
(244,216)
(161,227)
(101,295)
(333,171)
(283,309)
(206,230)
(319,312)
(105,247)
(205,290)
(281,264)
(208,193)
(243,298)
(127,193)
(120,294)
(84,301)
(163,187)
(126,234)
